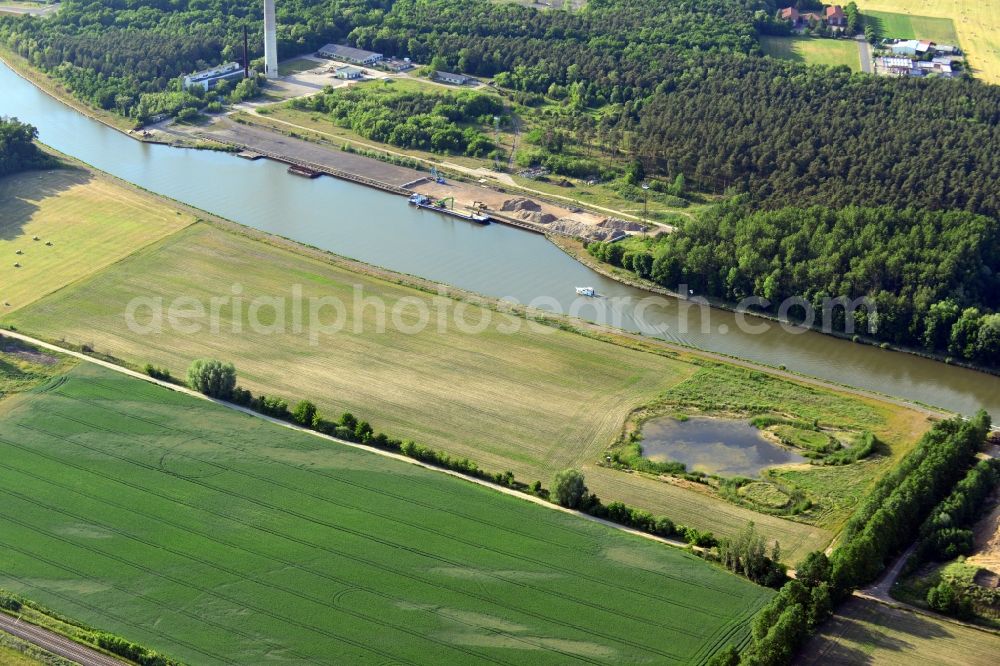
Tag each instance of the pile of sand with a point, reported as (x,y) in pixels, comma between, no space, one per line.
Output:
(987,541)
(537,217)
(572,227)
(519,204)
(623,225)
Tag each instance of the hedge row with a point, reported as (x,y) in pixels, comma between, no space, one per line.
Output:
(881,526)
(786,623)
(349,428)
(885,521)
(945,534)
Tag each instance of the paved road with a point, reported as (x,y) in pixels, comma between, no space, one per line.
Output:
(56,643)
(865,50)
(269,141)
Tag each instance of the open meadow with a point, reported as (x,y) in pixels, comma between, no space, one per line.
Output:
(533,402)
(83,223)
(976,22)
(908,26)
(814,51)
(867,632)
(217,537)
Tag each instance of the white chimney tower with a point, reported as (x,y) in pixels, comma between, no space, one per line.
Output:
(270,41)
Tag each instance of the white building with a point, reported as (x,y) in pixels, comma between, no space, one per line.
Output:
(348,73)
(349,54)
(209,78)
(455,79)
(906,47)
(896,61)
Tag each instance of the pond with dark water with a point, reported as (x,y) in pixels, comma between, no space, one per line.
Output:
(726,447)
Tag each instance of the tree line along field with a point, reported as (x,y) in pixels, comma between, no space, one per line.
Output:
(976,24)
(867,632)
(217,537)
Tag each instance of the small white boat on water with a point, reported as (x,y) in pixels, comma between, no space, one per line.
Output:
(586,291)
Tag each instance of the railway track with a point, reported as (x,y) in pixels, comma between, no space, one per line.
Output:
(56,643)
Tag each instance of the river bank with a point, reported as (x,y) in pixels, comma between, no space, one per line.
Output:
(561,226)
(498,261)
(574,247)
(528,212)
(57,90)
(60,93)
(318,155)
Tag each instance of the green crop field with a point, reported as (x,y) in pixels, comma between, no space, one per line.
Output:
(904,26)
(220,538)
(813,51)
(866,632)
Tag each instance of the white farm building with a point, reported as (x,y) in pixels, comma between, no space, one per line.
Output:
(349,54)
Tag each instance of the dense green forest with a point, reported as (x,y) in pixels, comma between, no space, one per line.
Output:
(442,123)
(113,52)
(677,85)
(18,151)
(680,87)
(932,276)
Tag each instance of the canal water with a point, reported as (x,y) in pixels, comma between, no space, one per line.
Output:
(495,260)
(727,447)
